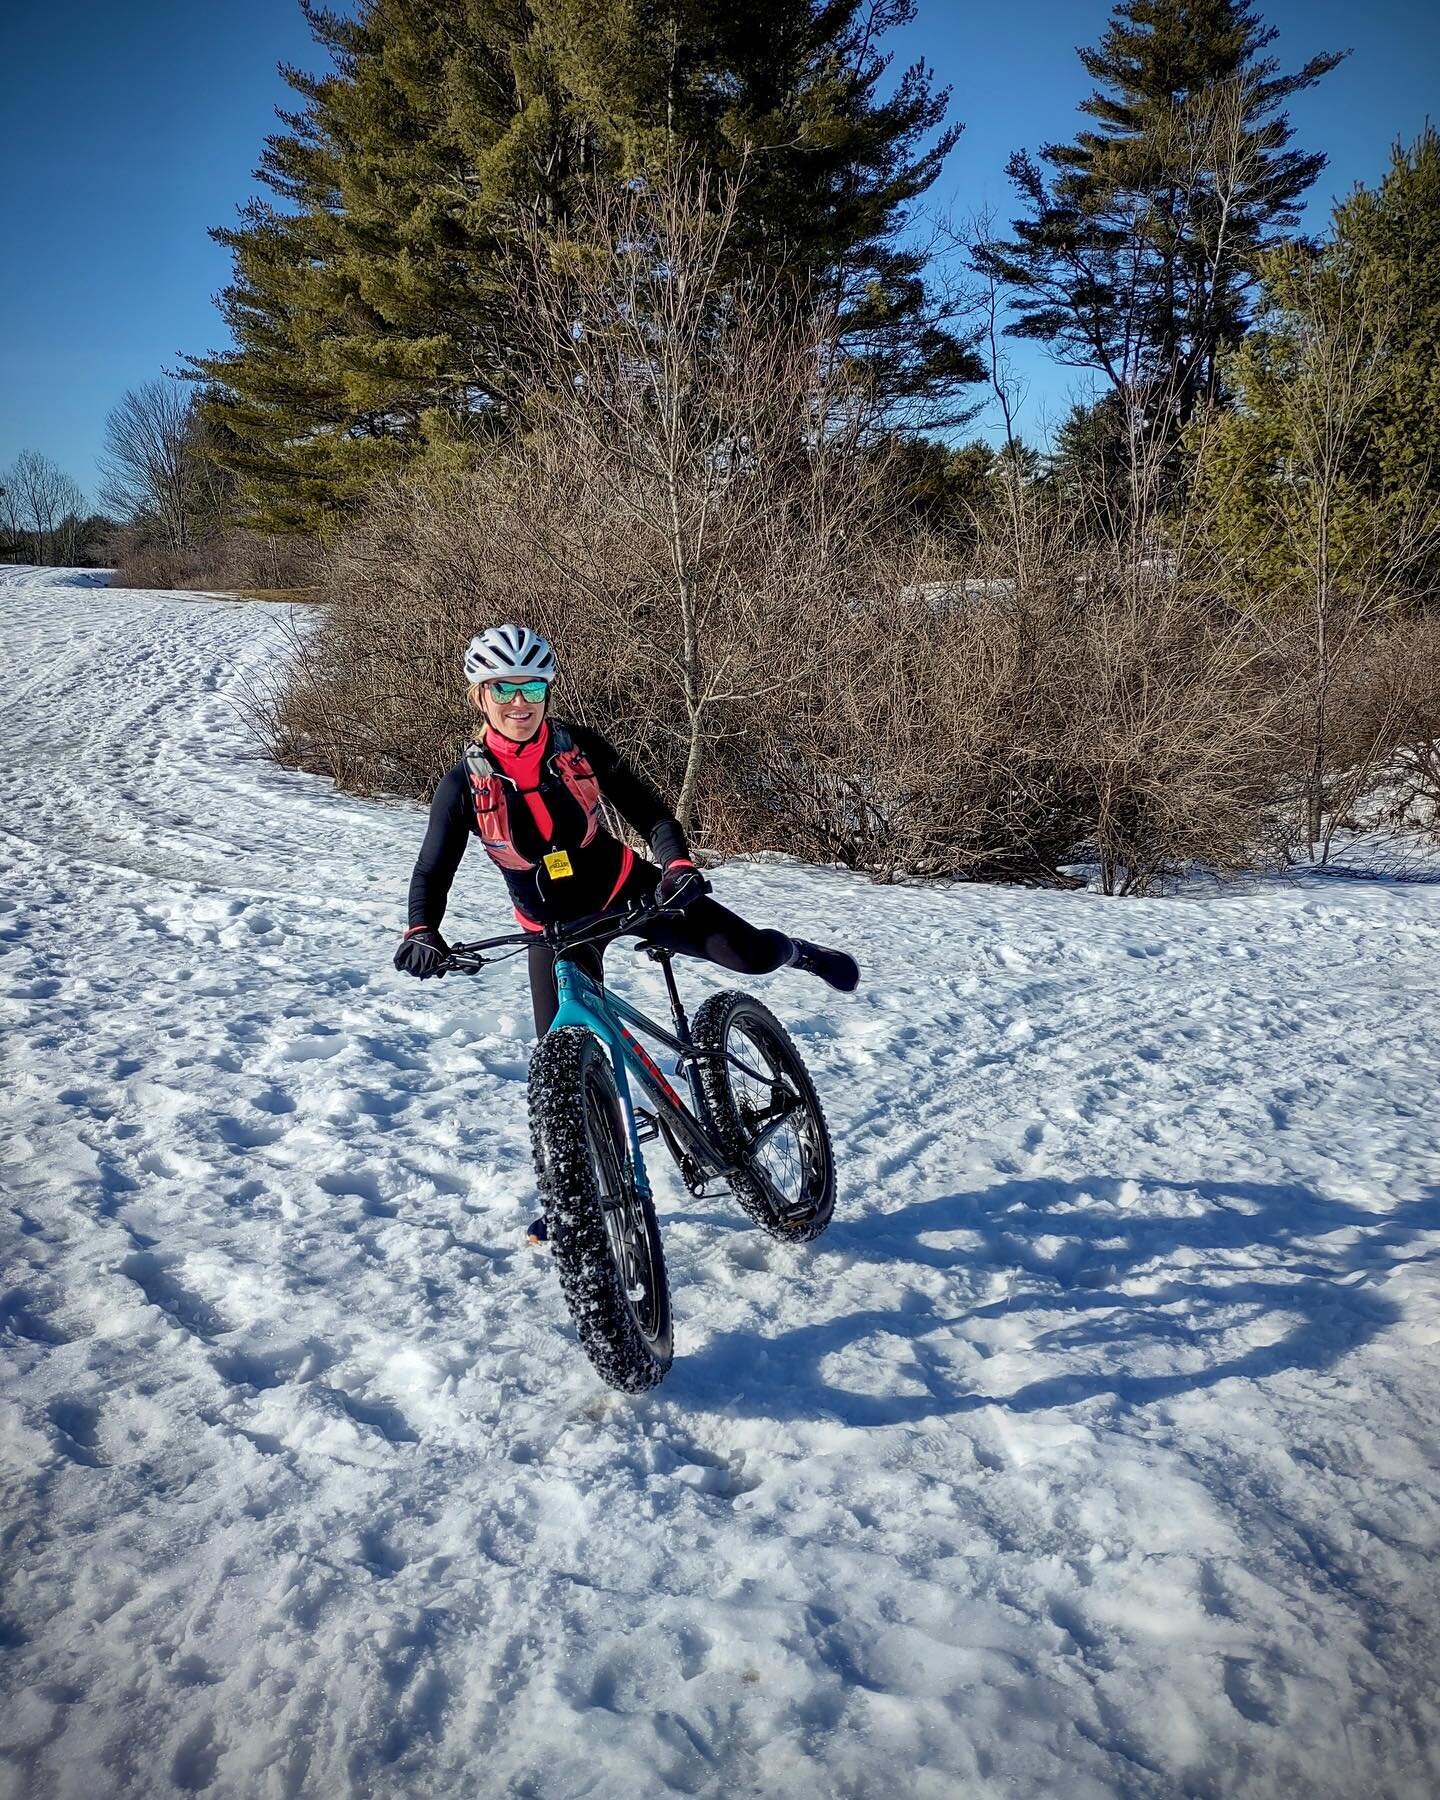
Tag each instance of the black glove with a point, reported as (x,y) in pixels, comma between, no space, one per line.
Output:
(682,884)
(423,952)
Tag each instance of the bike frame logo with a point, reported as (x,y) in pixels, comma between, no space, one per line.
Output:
(650,1066)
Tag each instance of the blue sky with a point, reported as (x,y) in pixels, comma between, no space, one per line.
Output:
(133,125)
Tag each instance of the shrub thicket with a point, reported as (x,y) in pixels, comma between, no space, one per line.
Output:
(919,718)
(229,562)
(696,509)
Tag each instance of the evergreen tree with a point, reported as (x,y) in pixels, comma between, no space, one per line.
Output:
(950,489)
(1092,458)
(785,93)
(1388,240)
(1141,240)
(1336,422)
(373,316)
(369,307)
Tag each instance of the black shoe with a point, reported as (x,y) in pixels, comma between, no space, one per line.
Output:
(539,1232)
(833,966)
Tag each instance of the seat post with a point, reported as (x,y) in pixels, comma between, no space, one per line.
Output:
(664,958)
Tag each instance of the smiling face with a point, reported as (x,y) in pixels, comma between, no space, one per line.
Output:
(515,718)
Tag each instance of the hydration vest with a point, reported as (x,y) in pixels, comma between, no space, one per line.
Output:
(564,758)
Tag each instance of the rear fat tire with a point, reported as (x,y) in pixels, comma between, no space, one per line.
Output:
(580,1148)
(723,1022)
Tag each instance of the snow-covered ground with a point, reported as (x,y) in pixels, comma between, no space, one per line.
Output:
(1093,1452)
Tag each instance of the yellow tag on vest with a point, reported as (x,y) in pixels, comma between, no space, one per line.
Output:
(557,863)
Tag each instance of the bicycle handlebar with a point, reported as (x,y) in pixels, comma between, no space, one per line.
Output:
(469,959)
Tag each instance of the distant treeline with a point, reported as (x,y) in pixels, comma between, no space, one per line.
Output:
(43,517)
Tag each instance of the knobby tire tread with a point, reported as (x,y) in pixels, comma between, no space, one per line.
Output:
(567,1066)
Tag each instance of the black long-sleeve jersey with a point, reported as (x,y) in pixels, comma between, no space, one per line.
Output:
(597,867)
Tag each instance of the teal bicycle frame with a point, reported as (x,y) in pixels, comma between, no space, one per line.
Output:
(584,1002)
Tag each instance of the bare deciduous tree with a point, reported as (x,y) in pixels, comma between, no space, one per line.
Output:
(699,414)
(10,520)
(39,499)
(150,462)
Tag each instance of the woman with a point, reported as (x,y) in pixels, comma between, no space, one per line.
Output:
(530,789)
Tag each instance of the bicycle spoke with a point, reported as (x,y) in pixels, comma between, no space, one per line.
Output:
(777,1139)
(625,1227)
(769,1123)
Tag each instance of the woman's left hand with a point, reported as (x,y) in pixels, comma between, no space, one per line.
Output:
(681,885)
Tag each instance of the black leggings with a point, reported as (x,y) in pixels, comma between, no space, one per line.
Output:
(707,929)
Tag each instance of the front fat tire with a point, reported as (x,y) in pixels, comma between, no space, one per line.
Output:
(721,1024)
(576,1130)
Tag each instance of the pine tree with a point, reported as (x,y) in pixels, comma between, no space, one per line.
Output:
(785,94)
(1142,238)
(372,310)
(1388,239)
(1091,459)
(1337,400)
(369,307)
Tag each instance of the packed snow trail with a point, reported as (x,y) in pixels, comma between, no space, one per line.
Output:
(1093,1451)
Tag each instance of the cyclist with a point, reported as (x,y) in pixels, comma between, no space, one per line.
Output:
(530,788)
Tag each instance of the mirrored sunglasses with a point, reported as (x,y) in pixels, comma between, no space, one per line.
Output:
(532,692)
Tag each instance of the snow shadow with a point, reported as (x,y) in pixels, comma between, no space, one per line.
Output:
(32,575)
(1217,1280)
(1410,865)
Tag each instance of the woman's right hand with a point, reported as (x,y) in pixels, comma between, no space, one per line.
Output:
(422,953)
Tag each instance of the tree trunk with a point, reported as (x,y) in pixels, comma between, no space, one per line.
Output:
(1315,820)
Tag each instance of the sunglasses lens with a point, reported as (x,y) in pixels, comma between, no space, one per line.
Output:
(533,692)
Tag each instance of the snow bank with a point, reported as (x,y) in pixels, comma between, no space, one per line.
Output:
(1093,1451)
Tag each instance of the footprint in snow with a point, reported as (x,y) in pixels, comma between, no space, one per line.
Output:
(388,1420)
(753,1254)
(273,1100)
(242,1136)
(359,1186)
(19,1318)
(703,1470)
(379,1555)
(195,1762)
(151,1274)
(315,1049)
(42,989)
(76,1424)
(273,1368)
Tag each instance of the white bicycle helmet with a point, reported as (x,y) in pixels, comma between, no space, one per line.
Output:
(509,653)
